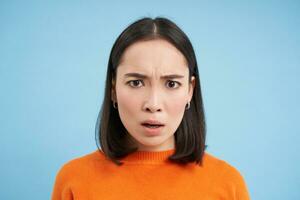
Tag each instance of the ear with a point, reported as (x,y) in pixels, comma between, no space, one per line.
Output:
(191,87)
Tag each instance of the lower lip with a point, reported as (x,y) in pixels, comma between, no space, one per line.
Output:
(153,131)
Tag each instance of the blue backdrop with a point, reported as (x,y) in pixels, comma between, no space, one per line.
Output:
(53,59)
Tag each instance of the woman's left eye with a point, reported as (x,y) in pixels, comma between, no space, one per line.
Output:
(172,83)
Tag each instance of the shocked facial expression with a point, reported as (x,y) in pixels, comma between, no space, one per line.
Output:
(152,87)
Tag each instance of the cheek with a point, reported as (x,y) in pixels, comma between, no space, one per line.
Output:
(175,111)
(176,107)
(127,105)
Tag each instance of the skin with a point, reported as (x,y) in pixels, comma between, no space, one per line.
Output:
(140,99)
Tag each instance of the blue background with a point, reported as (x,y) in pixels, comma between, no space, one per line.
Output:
(54,54)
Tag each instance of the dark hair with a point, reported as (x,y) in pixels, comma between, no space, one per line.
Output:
(190,136)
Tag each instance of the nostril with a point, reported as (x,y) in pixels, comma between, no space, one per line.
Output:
(153,110)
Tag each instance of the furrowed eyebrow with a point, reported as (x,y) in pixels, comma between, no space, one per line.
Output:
(142,76)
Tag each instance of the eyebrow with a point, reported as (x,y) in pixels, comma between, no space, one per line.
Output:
(142,76)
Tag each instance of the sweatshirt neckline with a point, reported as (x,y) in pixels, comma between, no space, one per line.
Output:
(148,156)
(144,157)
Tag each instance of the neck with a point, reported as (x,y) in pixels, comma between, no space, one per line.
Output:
(167,145)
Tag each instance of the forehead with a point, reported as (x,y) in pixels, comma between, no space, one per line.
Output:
(158,54)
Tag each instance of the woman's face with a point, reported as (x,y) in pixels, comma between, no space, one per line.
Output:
(150,95)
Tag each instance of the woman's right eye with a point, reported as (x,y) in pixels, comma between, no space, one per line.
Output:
(134,83)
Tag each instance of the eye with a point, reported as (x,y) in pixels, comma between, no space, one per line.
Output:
(134,83)
(173,83)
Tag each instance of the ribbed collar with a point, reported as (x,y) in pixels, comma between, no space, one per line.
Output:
(144,157)
(148,157)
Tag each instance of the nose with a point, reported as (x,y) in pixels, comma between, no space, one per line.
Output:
(152,103)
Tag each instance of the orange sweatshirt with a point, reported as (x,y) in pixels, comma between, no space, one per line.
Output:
(148,175)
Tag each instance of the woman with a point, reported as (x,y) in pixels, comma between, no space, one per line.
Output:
(151,130)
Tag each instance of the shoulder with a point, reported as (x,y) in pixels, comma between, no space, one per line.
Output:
(80,164)
(74,172)
(224,168)
(211,160)
(229,179)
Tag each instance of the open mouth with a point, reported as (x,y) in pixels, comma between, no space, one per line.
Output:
(152,125)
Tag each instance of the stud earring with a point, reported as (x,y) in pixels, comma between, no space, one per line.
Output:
(114,104)
(188,106)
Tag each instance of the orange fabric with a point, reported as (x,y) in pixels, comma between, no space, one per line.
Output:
(148,175)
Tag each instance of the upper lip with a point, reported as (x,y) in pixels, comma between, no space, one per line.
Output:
(153,122)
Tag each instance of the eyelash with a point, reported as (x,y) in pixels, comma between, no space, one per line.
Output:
(128,83)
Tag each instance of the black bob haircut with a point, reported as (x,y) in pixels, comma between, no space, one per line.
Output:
(190,136)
